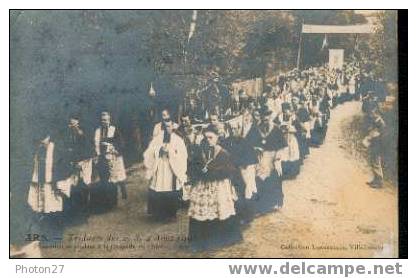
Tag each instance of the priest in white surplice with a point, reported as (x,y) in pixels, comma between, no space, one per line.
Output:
(47,190)
(166,167)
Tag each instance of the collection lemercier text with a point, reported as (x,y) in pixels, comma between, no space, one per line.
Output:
(113,241)
(352,246)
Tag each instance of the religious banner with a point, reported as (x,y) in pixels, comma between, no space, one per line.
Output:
(338,29)
(252,87)
(336,57)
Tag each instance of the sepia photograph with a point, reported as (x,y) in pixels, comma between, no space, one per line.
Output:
(204,134)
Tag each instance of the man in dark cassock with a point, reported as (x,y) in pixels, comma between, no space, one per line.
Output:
(256,117)
(223,129)
(186,130)
(318,127)
(325,107)
(79,150)
(369,101)
(191,137)
(225,101)
(269,172)
(303,127)
(244,153)
(332,86)
(193,109)
(211,95)
(110,164)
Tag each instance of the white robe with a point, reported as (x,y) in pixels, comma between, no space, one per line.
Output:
(248,172)
(117,167)
(42,197)
(161,170)
(352,86)
(292,151)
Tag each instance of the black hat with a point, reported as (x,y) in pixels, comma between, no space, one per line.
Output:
(264,111)
(286,106)
(211,128)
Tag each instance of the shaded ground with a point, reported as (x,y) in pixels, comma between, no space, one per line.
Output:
(329,211)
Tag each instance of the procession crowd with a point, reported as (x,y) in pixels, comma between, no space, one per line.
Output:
(224,162)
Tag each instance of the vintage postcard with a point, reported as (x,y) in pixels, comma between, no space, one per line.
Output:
(204,134)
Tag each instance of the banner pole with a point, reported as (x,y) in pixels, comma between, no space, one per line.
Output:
(299,46)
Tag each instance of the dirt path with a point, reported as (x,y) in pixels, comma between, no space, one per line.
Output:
(327,206)
(329,211)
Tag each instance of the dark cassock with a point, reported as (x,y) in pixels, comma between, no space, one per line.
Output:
(80,151)
(192,140)
(332,89)
(325,108)
(303,130)
(290,155)
(110,164)
(318,128)
(342,85)
(45,198)
(245,156)
(211,98)
(190,135)
(224,131)
(160,127)
(166,169)
(269,171)
(212,196)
